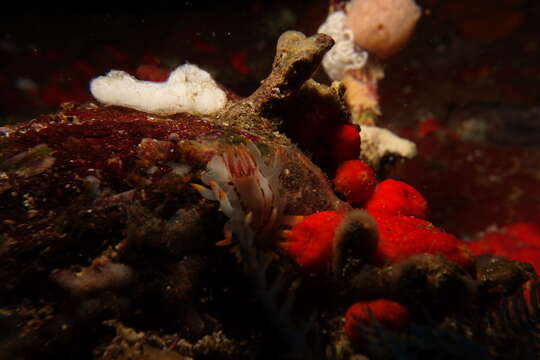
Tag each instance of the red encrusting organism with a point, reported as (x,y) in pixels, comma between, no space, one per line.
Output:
(310,242)
(398,198)
(389,314)
(526,232)
(344,144)
(356,181)
(399,211)
(400,237)
(519,241)
(497,243)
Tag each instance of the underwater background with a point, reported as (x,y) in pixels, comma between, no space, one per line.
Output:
(465,90)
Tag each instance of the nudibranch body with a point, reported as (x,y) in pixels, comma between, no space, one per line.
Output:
(246,186)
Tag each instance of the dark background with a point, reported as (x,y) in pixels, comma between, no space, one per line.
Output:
(463,51)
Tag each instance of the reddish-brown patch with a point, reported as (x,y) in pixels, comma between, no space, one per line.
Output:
(98,149)
(471,186)
(390,314)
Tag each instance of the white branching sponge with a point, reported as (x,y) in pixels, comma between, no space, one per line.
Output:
(378,142)
(188,89)
(345,54)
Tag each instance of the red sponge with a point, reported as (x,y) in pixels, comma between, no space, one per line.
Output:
(356,181)
(310,242)
(514,237)
(519,241)
(403,236)
(345,144)
(398,198)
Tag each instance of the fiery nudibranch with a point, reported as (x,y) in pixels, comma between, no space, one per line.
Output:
(246,188)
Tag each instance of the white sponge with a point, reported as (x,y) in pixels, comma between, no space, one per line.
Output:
(345,54)
(188,89)
(379,142)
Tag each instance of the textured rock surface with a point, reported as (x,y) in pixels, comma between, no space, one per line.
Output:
(99,222)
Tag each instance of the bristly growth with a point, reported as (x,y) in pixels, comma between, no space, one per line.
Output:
(518,316)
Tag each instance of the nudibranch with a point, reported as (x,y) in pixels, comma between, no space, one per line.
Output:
(246,187)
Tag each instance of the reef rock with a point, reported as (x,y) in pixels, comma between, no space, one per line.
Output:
(100,218)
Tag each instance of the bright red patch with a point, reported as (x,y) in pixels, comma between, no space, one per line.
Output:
(310,242)
(398,198)
(345,144)
(519,241)
(403,236)
(356,181)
